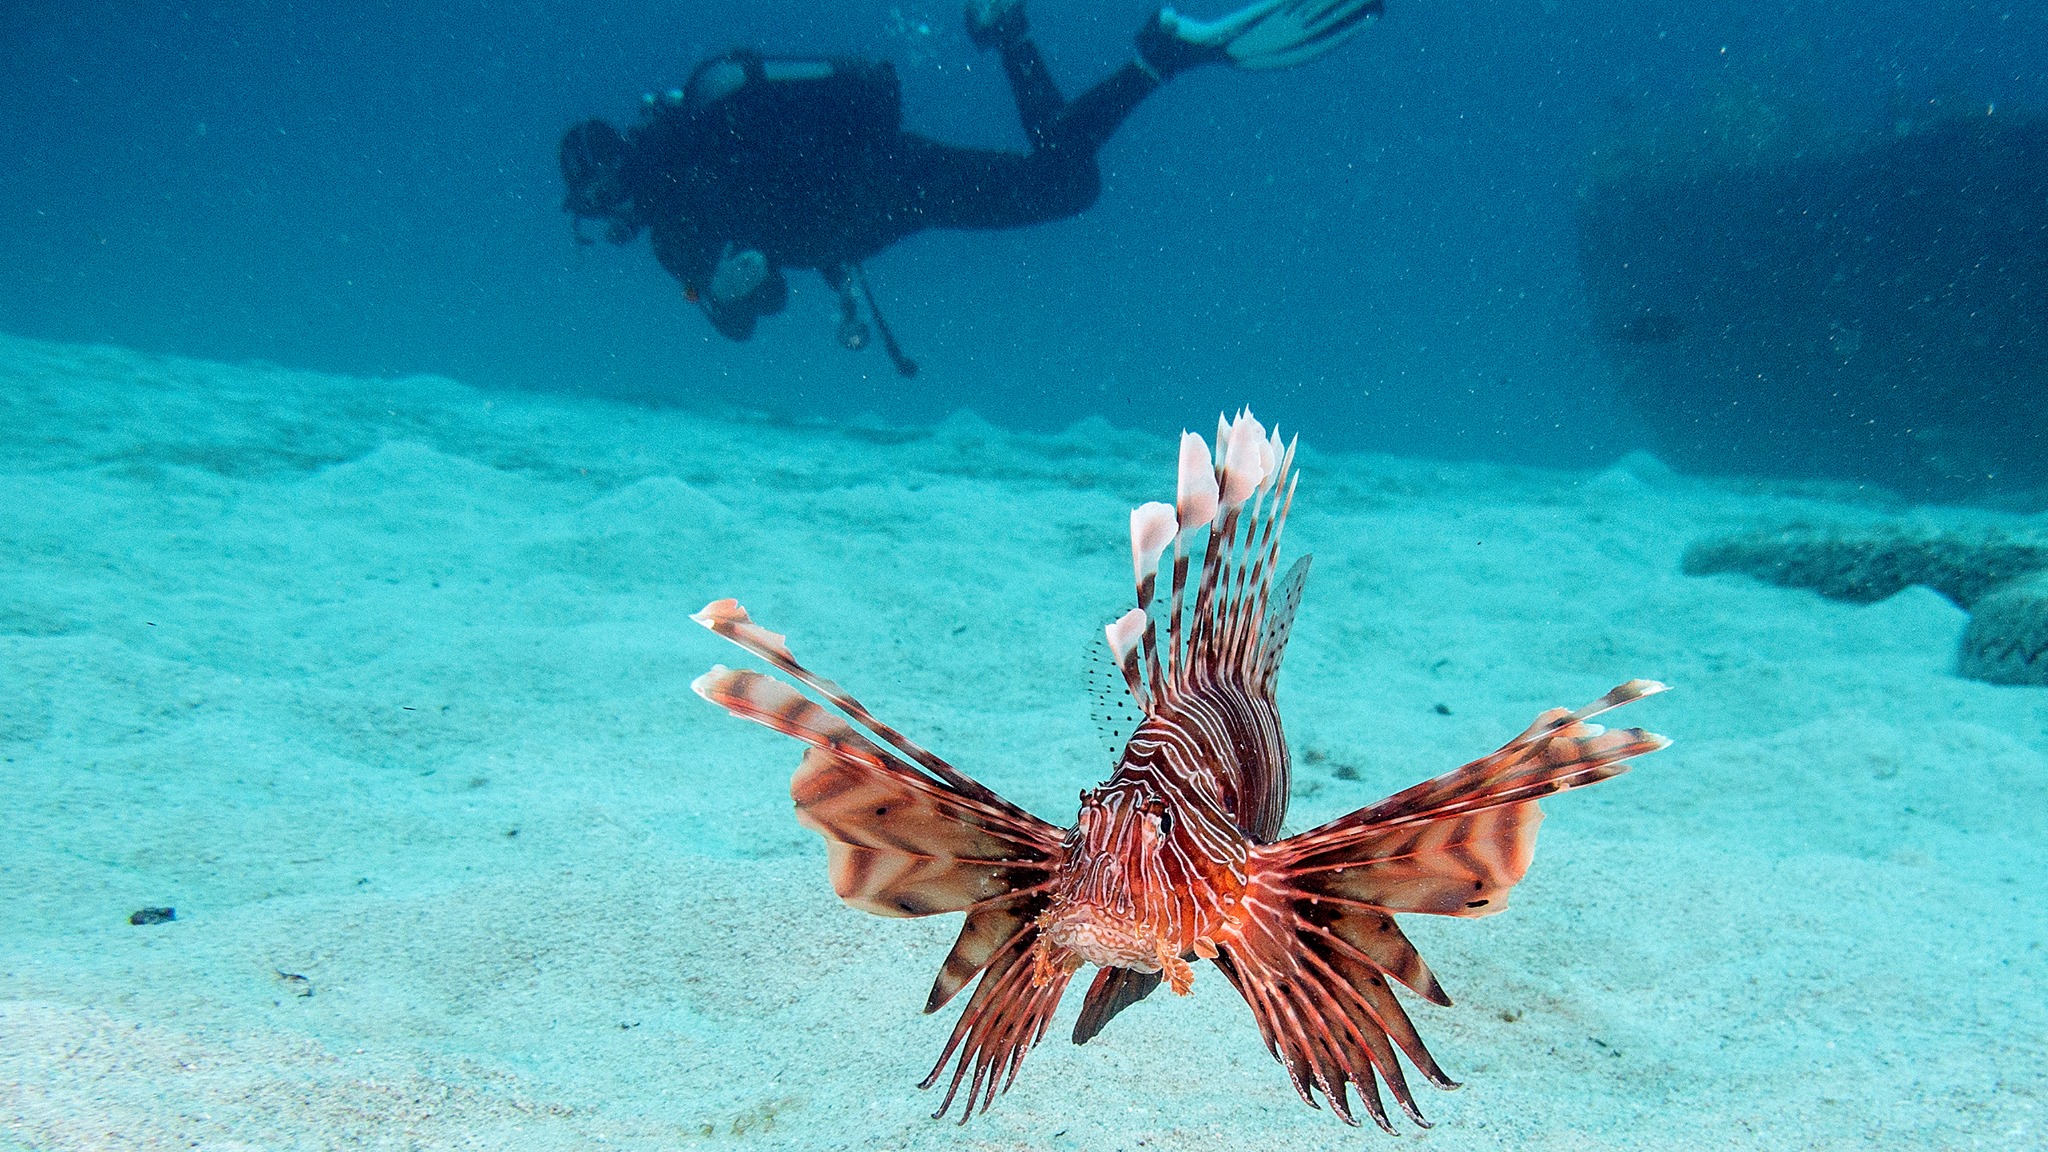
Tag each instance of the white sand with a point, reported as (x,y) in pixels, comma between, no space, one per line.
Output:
(299,655)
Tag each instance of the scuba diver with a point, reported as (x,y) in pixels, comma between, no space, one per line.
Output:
(759,164)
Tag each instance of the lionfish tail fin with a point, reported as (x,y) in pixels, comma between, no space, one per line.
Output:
(1236,626)
(1319,947)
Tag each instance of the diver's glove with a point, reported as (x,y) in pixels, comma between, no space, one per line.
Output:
(739,273)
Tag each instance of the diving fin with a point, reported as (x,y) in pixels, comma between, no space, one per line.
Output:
(1263,34)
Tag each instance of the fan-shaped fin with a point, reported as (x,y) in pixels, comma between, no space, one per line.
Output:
(903,846)
(1004,1019)
(905,842)
(1279,623)
(1318,939)
(987,930)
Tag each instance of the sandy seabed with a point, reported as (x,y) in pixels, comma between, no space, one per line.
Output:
(384,686)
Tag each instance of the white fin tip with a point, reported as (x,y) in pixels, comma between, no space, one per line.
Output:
(1244,459)
(1195,499)
(1275,452)
(1125,632)
(718,612)
(702,684)
(1152,528)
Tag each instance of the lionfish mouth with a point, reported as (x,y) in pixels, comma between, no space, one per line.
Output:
(1103,940)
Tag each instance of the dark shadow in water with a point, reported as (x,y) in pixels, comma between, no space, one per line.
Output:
(1876,312)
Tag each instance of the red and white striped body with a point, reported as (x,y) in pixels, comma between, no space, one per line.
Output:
(1155,867)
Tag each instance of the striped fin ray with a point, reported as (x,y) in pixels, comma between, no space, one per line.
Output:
(988,929)
(1249,559)
(1319,941)
(1326,1012)
(1194,506)
(1251,615)
(901,842)
(1202,618)
(769,702)
(1455,845)
(1241,495)
(899,846)
(1005,1018)
(1559,751)
(730,620)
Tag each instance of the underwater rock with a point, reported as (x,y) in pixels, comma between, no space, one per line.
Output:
(1865,565)
(147,916)
(2007,639)
(1857,308)
(2000,579)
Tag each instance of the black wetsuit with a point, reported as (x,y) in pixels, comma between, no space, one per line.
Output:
(776,167)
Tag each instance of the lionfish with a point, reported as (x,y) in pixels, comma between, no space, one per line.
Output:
(1178,857)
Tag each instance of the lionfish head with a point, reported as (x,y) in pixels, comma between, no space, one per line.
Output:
(1112,906)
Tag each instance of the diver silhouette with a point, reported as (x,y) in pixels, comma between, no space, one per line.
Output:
(758,164)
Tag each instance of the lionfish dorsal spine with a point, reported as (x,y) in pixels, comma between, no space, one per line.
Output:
(1241,494)
(1195,508)
(1266,563)
(1124,634)
(1153,528)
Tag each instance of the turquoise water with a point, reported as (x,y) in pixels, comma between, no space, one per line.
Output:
(353,793)
(383,685)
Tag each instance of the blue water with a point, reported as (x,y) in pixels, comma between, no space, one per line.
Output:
(351,517)
(1382,242)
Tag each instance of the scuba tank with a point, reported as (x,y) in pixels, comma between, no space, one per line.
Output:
(813,103)
(797,114)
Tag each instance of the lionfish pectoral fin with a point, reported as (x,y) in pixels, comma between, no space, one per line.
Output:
(773,704)
(901,842)
(901,845)
(987,930)
(1315,941)
(728,619)
(1020,988)
(905,842)
(1455,845)
(1114,990)
(1326,1014)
